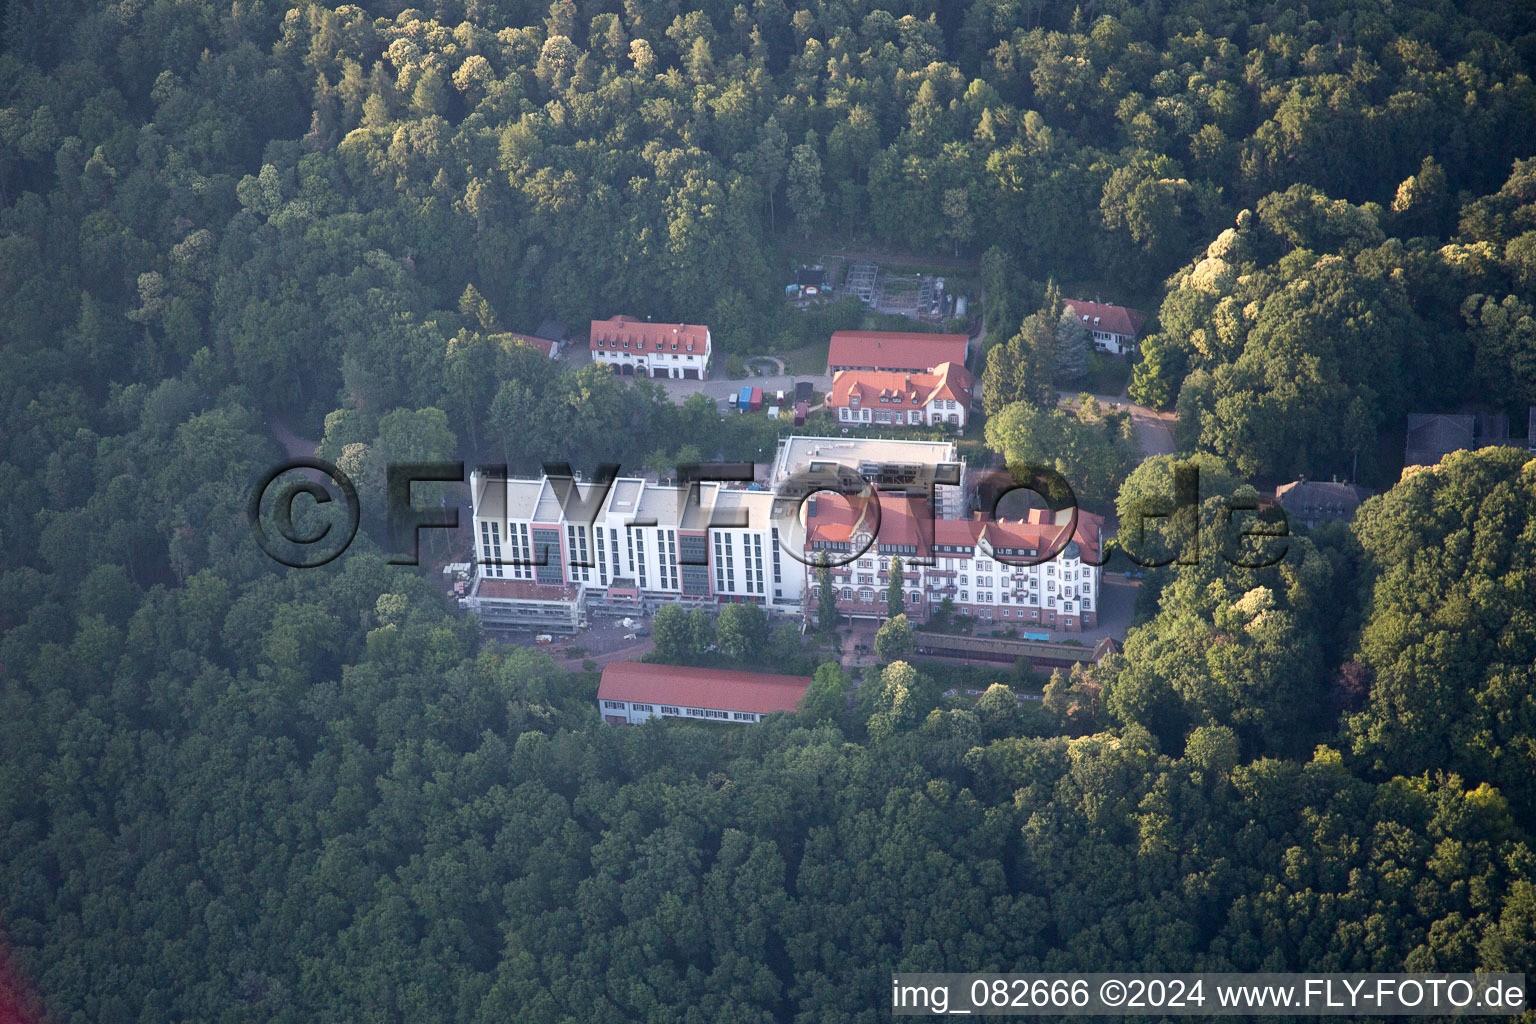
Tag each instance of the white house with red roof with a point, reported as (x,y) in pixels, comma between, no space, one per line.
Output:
(638,347)
(877,398)
(631,692)
(1113,328)
(895,351)
(1037,571)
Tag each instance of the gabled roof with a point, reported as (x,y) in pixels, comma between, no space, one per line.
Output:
(544,345)
(644,336)
(902,390)
(906,521)
(896,350)
(553,330)
(719,689)
(1433,436)
(1318,497)
(1101,316)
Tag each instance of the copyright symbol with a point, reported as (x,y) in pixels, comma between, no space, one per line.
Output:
(1112,992)
(316,545)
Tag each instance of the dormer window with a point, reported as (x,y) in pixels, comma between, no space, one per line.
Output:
(626,344)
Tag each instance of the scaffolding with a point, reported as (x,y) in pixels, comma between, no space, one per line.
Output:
(861,281)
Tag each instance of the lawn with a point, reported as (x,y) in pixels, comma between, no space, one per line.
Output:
(807,359)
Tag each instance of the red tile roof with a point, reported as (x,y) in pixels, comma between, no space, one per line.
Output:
(643,335)
(906,520)
(1099,316)
(542,344)
(902,390)
(887,350)
(719,689)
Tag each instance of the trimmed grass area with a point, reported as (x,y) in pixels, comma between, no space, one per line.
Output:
(807,359)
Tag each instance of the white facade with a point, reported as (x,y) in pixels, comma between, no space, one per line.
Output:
(1109,341)
(637,544)
(939,412)
(1060,595)
(636,712)
(640,348)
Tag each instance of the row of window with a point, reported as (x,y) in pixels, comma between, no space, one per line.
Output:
(667,709)
(640,345)
(867,596)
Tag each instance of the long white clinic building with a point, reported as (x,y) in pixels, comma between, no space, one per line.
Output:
(631,692)
(553,549)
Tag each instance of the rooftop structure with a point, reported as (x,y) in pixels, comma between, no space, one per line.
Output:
(632,347)
(1037,571)
(553,330)
(895,351)
(550,348)
(1318,501)
(1113,328)
(890,464)
(1431,437)
(868,397)
(631,691)
(903,527)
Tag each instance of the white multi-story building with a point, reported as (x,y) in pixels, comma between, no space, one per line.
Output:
(585,546)
(551,550)
(981,565)
(638,347)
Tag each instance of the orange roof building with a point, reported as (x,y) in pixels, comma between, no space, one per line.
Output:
(1113,328)
(1000,572)
(881,398)
(634,347)
(895,351)
(631,692)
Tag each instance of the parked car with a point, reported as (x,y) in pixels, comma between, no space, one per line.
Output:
(642,633)
(543,638)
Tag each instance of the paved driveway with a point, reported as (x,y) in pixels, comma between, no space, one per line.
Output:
(1154,428)
(721,390)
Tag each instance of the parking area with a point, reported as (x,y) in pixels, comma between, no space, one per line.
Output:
(605,639)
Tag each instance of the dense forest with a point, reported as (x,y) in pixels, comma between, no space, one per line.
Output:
(233,792)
